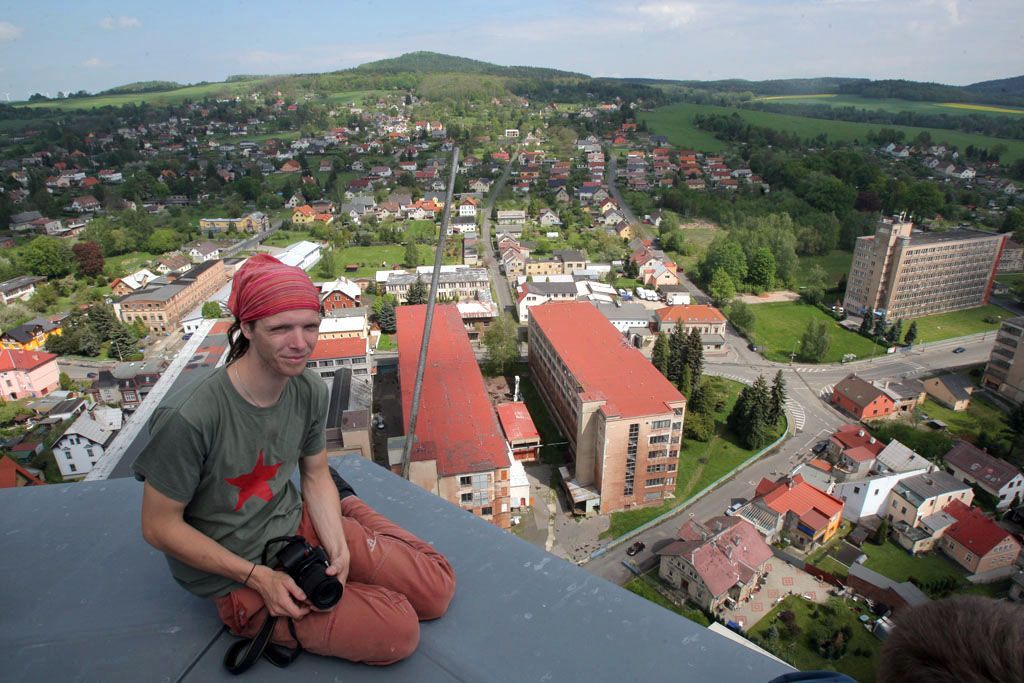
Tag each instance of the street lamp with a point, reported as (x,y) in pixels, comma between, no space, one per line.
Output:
(792,354)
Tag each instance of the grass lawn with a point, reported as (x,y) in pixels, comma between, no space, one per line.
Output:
(779,326)
(283,238)
(899,565)
(387,343)
(641,587)
(980,416)
(833,566)
(194,92)
(372,259)
(798,651)
(894,105)
(1010,279)
(700,464)
(836,264)
(126,264)
(958,323)
(676,122)
(697,241)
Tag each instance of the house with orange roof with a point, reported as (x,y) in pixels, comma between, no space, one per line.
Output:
(791,508)
(290,166)
(303,214)
(976,542)
(852,449)
(467,207)
(520,432)
(13,475)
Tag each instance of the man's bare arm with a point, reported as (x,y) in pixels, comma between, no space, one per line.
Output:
(164,528)
(324,506)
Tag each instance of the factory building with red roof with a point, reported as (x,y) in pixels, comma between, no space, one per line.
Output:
(459,452)
(622,418)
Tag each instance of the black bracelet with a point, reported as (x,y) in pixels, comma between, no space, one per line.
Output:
(246,582)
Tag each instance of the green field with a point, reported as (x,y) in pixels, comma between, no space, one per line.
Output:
(836,264)
(372,259)
(779,326)
(354,96)
(193,92)
(697,241)
(641,585)
(676,122)
(899,565)
(895,105)
(797,650)
(958,323)
(980,416)
(721,455)
(126,264)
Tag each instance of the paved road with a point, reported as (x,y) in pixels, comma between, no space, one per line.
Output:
(490,254)
(613,190)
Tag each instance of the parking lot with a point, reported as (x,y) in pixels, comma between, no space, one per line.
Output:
(782,579)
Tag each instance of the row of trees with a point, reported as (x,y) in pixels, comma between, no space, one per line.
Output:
(84,333)
(876,328)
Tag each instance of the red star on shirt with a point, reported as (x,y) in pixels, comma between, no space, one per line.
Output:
(255,482)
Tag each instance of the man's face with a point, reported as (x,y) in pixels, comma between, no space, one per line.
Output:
(284,341)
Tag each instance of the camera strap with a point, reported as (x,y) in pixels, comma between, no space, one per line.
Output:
(243,654)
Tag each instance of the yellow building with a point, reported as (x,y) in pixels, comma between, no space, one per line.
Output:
(254,222)
(303,215)
(30,336)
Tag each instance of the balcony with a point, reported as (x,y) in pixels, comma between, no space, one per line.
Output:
(87,599)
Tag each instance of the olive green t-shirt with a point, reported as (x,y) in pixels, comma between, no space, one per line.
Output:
(231,464)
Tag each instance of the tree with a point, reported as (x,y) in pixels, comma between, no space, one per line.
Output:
(384,313)
(326,266)
(761,270)
(66,383)
(412,254)
(630,269)
(45,296)
(741,316)
(725,253)
(816,341)
(660,353)
(749,417)
(1015,426)
(164,240)
(502,343)
(721,289)
(879,328)
(881,532)
(48,256)
(814,285)
(911,335)
(676,353)
(699,426)
(777,406)
(893,334)
(694,359)
(103,321)
(123,344)
(211,310)
(865,324)
(417,293)
(89,256)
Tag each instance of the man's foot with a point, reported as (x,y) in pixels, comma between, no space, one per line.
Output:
(344,488)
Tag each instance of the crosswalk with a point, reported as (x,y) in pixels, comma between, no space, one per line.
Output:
(802,369)
(826,392)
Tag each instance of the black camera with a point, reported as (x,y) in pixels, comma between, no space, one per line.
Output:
(308,566)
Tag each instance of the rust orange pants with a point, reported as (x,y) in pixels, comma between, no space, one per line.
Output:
(395,581)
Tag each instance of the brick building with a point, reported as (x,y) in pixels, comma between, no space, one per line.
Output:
(977,543)
(161,308)
(622,418)
(862,399)
(900,273)
(459,452)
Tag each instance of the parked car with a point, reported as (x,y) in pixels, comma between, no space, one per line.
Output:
(959,349)
(819,447)
(635,548)
(755,347)
(734,508)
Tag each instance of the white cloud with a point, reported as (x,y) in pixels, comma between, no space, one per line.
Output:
(9,31)
(94,63)
(665,14)
(111,23)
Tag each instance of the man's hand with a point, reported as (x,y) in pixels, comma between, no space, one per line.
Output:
(340,559)
(280,593)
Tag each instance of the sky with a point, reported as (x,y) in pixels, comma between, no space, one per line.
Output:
(52,45)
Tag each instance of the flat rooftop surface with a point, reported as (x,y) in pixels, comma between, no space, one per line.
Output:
(85,599)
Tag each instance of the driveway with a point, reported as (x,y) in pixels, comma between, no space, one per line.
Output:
(783,579)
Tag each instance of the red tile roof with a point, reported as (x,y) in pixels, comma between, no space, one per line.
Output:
(851,436)
(456,425)
(859,454)
(800,498)
(732,551)
(24,360)
(819,464)
(973,530)
(693,313)
(220,327)
(602,361)
(516,422)
(9,471)
(347,347)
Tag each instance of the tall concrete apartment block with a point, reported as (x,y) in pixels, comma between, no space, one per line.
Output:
(1004,372)
(900,273)
(622,418)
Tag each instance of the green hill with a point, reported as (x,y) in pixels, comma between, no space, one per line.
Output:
(435,62)
(1004,87)
(143,86)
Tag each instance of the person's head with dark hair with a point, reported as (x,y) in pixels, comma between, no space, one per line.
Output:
(964,639)
(264,287)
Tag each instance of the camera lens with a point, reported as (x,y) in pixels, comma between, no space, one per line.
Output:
(322,591)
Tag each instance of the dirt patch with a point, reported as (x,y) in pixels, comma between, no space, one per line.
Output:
(769,297)
(698,224)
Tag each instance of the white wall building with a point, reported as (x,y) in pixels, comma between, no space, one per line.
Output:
(78,449)
(303,254)
(866,497)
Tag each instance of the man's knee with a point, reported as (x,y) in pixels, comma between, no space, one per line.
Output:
(435,603)
(400,641)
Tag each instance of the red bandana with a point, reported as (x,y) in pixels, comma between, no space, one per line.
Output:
(265,286)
